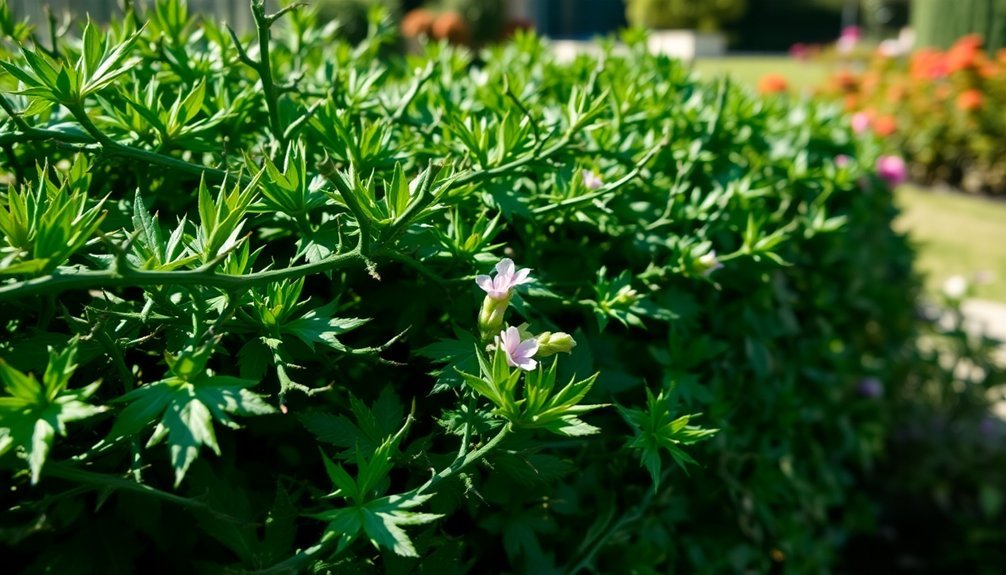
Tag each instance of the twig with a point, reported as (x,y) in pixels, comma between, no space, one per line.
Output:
(202,276)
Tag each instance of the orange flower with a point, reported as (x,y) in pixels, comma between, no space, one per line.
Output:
(969,100)
(896,93)
(885,125)
(964,54)
(845,81)
(451,26)
(417,23)
(772,84)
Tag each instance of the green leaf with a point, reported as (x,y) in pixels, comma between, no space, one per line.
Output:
(33,414)
(184,411)
(318,326)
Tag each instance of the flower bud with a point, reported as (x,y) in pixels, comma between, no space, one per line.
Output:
(708,263)
(491,316)
(552,343)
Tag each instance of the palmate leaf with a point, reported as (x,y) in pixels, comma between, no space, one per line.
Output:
(657,429)
(381,520)
(318,326)
(186,410)
(371,427)
(33,412)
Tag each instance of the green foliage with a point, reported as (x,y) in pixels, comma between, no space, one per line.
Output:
(33,412)
(265,246)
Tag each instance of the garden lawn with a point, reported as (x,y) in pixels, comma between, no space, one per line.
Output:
(956,234)
(801,75)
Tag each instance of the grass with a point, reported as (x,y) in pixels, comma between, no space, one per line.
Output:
(955,234)
(802,75)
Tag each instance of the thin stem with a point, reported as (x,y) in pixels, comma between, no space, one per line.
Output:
(604,190)
(462,462)
(263,66)
(202,276)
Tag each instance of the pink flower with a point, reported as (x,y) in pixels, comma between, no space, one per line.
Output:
(892,169)
(507,278)
(842,160)
(852,32)
(799,51)
(848,40)
(860,122)
(591,180)
(518,353)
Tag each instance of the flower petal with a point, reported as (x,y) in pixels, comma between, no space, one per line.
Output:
(527,364)
(527,348)
(485,282)
(521,277)
(505,267)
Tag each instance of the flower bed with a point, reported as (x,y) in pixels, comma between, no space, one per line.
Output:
(941,110)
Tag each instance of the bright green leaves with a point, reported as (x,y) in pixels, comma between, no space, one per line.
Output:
(151,250)
(538,406)
(390,203)
(101,61)
(617,299)
(656,428)
(292,190)
(44,226)
(222,219)
(176,125)
(184,405)
(10,27)
(33,412)
(379,518)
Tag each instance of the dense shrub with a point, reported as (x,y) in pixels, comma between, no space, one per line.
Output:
(256,273)
(942,110)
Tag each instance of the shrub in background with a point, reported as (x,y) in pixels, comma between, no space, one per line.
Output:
(265,281)
(352,14)
(689,14)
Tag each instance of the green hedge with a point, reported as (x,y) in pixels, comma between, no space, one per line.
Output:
(267,354)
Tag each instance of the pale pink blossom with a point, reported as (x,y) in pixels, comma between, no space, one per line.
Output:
(518,353)
(848,40)
(591,180)
(860,122)
(892,169)
(508,277)
(842,160)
